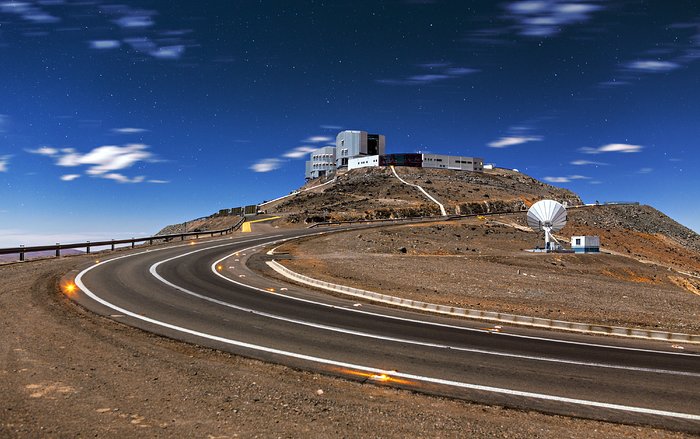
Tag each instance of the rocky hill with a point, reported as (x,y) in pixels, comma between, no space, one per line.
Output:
(375,193)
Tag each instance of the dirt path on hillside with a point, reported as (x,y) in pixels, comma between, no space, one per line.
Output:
(68,373)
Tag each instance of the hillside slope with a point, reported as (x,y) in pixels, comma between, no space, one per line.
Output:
(372,193)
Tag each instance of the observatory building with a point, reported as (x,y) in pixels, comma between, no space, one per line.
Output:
(359,149)
(585,244)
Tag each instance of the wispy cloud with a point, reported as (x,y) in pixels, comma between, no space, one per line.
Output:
(588,163)
(158,181)
(507,141)
(120,178)
(4,162)
(105,44)
(266,165)
(29,11)
(331,127)
(544,18)
(103,161)
(653,66)
(70,177)
(318,139)
(436,72)
(129,130)
(299,152)
(613,147)
(645,171)
(567,179)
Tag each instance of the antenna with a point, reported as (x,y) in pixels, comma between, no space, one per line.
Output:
(548,216)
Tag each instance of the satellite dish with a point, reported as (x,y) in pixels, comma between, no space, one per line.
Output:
(548,216)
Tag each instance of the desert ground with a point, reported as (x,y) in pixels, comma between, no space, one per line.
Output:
(69,373)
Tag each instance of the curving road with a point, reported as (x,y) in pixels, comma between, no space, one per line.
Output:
(204,293)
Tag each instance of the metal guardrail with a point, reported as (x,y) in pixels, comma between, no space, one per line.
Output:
(22,250)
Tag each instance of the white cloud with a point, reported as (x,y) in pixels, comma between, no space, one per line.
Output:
(4,161)
(168,52)
(299,152)
(120,178)
(44,150)
(129,130)
(653,66)
(266,165)
(613,147)
(135,21)
(645,171)
(28,12)
(557,179)
(587,162)
(105,44)
(543,18)
(567,179)
(158,181)
(318,139)
(437,72)
(102,161)
(505,142)
(70,177)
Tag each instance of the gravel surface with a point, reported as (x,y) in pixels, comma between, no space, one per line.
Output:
(481,264)
(68,373)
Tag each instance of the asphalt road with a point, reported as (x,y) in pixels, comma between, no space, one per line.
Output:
(204,293)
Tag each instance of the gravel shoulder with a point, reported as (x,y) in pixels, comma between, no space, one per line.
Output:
(481,264)
(68,373)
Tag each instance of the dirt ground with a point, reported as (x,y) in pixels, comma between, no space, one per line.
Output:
(482,264)
(68,373)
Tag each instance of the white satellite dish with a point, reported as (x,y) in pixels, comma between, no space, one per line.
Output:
(548,216)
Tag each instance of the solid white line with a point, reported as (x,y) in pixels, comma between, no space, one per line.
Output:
(154,272)
(619,407)
(442,208)
(442,325)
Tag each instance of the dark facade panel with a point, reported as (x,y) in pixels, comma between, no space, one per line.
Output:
(413,160)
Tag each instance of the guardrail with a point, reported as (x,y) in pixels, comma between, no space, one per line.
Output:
(492,316)
(88,245)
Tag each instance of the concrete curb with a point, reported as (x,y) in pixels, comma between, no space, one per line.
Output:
(491,316)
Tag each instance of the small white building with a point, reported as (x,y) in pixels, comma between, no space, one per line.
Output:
(585,244)
(367,161)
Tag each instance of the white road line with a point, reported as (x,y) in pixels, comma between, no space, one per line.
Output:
(540,396)
(441,325)
(154,272)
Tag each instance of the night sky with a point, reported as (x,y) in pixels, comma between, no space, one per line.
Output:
(117,119)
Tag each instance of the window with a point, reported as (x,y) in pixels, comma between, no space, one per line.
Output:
(578,241)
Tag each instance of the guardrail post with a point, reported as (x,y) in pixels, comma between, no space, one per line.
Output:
(133,243)
(21,253)
(58,249)
(88,247)
(212,235)
(112,245)
(196,236)
(150,241)
(182,237)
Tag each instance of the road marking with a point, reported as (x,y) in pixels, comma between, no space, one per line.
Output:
(444,325)
(154,272)
(533,395)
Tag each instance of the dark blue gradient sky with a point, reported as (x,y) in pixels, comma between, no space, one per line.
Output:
(116,119)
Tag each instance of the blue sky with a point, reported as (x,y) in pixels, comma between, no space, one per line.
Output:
(119,118)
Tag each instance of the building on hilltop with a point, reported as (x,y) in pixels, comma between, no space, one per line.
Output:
(352,143)
(323,162)
(358,149)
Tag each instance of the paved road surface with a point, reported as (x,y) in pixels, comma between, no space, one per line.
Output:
(203,293)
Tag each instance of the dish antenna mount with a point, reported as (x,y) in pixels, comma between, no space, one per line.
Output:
(548,216)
